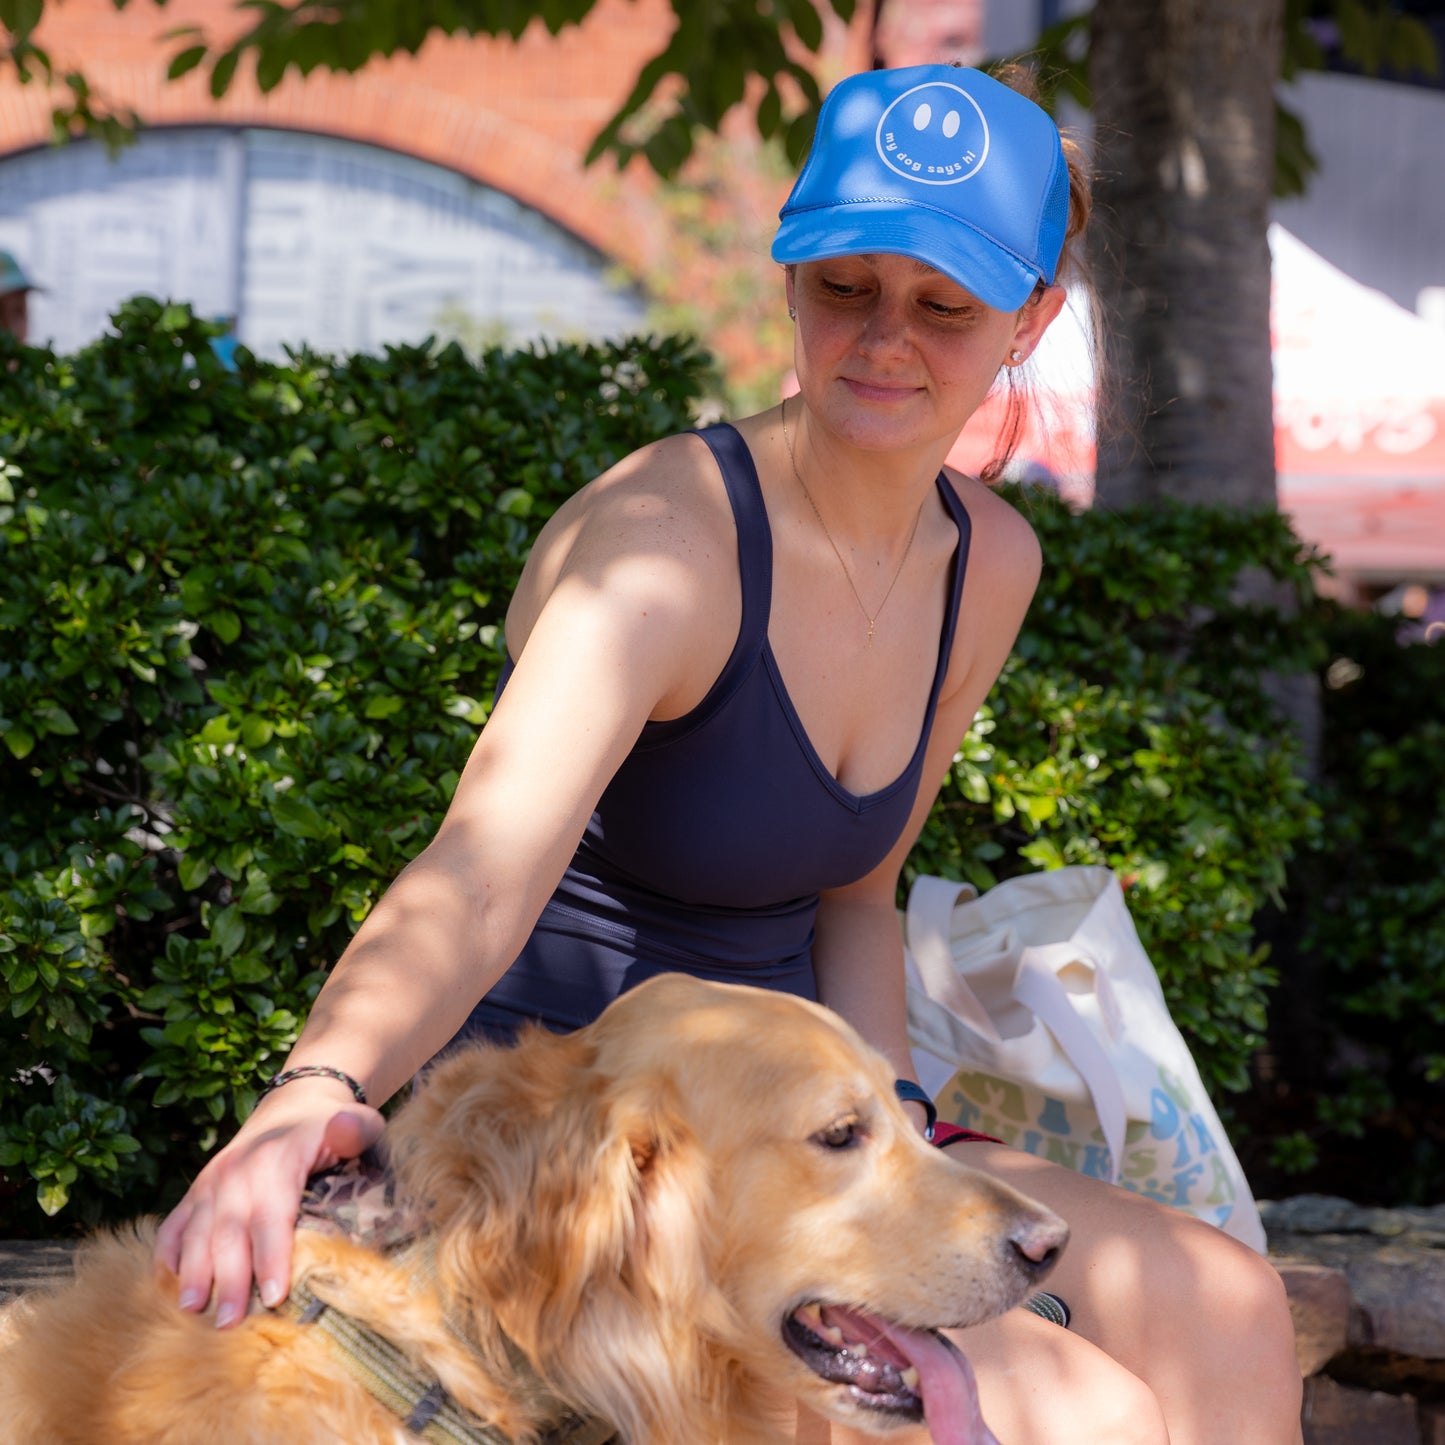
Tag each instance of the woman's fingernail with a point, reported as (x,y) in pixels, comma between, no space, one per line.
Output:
(225,1315)
(190,1299)
(272,1293)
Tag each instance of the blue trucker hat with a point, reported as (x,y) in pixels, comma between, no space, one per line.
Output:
(939,163)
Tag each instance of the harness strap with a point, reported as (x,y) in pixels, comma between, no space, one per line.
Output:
(423,1406)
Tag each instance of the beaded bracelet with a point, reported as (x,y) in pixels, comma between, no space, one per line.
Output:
(309,1070)
(911,1093)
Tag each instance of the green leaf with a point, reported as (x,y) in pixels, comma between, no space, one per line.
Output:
(806,23)
(20,17)
(223,72)
(382,705)
(798,137)
(192,871)
(228,930)
(21,978)
(53,1196)
(295,815)
(19,740)
(185,61)
(256,732)
(54,719)
(224,623)
(515,502)
(257,896)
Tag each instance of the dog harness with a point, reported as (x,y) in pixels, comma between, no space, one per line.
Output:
(421,1404)
(357,1201)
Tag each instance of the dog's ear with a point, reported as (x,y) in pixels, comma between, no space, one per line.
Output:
(571,1204)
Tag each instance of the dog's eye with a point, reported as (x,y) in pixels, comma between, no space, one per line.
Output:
(841,1134)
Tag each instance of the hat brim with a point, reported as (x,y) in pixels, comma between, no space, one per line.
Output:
(996,276)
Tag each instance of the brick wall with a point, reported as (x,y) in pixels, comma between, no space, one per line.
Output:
(517,116)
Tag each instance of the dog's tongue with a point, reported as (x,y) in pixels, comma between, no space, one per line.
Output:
(945,1378)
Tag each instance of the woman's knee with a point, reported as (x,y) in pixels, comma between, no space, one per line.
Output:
(1248,1305)
(1233,1291)
(1216,1341)
(1118,1409)
(1256,1292)
(1039,1384)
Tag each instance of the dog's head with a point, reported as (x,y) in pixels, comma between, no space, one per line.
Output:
(710,1199)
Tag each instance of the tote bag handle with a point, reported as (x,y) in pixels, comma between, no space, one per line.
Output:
(1038,988)
(1036,985)
(931,902)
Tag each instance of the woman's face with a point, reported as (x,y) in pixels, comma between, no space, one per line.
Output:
(891,353)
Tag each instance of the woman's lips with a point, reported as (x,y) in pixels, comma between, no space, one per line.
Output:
(880,390)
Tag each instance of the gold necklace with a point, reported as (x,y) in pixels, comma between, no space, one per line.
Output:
(872,621)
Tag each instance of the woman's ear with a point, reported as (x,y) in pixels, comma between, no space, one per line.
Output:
(1035,317)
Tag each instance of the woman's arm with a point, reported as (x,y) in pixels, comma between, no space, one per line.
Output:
(630,615)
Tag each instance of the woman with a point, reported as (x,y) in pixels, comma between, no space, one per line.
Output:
(742,664)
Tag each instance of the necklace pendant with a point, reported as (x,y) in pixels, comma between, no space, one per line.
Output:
(870,632)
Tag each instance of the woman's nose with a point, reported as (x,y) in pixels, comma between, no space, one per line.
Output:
(887,327)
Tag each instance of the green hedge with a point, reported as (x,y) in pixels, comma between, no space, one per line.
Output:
(248,630)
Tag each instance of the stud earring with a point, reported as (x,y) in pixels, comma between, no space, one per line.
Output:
(1015,357)
(792,313)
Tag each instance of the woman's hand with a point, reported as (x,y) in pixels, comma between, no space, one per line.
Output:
(238,1217)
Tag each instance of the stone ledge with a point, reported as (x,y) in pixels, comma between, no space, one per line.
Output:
(28,1264)
(1367,1294)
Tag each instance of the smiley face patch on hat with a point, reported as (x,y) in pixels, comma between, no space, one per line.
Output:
(935,134)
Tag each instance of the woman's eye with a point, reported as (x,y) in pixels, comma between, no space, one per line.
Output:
(842,1134)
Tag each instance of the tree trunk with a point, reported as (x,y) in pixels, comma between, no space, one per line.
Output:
(1184,135)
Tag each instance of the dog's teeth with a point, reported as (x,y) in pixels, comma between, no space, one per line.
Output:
(831,1333)
(910,1377)
(859,1351)
(809,1315)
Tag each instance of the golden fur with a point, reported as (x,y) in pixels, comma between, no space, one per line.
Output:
(638,1206)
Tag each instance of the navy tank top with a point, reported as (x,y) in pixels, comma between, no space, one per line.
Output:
(711,843)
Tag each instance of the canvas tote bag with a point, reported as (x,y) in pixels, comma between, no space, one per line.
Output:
(1035,1015)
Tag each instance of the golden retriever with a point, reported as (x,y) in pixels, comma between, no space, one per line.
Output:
(684,1220)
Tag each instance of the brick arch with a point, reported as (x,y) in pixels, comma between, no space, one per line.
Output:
(471,106)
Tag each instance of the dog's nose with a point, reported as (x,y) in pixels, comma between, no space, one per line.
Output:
(1037,1243)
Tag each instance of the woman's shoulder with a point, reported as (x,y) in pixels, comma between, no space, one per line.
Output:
(673,479)
(1004,541)
(656,522)
(1004,563)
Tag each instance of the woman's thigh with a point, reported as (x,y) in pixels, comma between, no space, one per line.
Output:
(1038,1384)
